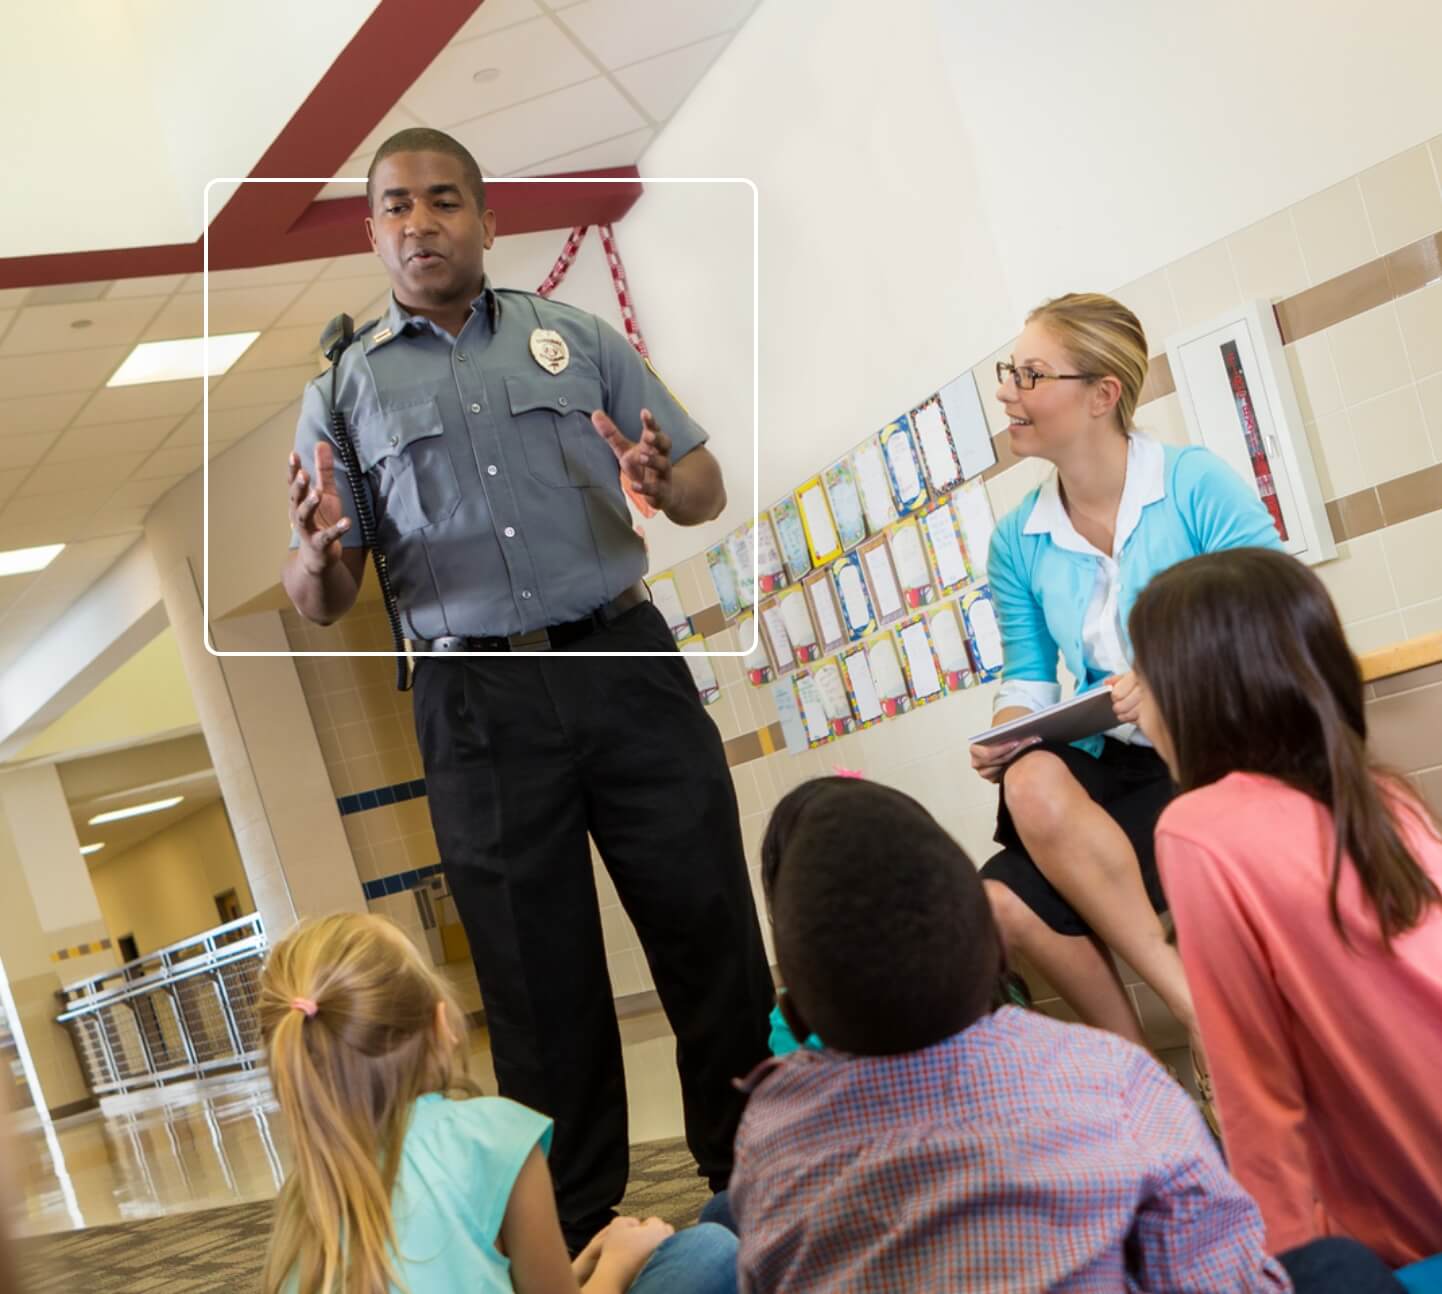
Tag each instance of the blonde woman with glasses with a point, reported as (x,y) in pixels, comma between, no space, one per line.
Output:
(1076,879)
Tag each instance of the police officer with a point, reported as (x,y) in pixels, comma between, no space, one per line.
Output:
(489,426)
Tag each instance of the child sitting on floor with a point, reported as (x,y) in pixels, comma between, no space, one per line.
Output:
(405,1176)
(936,1143)
(1306,884)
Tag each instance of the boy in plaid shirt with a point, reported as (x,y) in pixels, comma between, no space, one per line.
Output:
(936,1144)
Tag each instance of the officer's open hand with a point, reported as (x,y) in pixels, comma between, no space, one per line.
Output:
(645,463)
(315,511)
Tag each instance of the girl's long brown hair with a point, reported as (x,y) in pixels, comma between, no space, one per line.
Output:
(345,1079)
(1246,660)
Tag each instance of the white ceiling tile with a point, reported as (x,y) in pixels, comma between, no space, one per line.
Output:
(10,479)
(354,168)
(137,494)
(44,328)
(12,586)
(111,438)
(7,317)
(31,534)
(55,294)
(226,425)
(660,84)
(25,509)
(559,123)
(321,302)
(158,285)
(132,403)
(82,474)
(259,276)
(233,310)
(396,120)
(619,32)
(495,14)
(269,385)
(624,150)
(39,412)
(113,521)
(75,370)
(170,463)
(361,265)
(13,296)
(23,451)
(281,348)
(532,59)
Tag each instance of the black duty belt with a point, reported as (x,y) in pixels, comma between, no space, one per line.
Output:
(547,639)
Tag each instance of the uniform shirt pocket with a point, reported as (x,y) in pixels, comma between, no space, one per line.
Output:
(552,416)
(410,467)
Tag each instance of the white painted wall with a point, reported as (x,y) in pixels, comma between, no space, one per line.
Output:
(1115,137)
(879,279)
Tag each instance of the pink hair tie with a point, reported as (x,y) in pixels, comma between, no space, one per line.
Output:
(849,772)
(306,1005)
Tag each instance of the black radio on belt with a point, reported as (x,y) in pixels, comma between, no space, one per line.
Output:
(338,334)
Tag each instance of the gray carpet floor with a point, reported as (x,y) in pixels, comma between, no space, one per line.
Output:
(223,1249)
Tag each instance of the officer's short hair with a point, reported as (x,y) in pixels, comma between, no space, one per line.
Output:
(884,935)
(422,139)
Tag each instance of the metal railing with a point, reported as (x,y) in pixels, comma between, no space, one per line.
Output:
(175,1014)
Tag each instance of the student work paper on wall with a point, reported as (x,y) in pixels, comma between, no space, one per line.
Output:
(912,571)
(966,418)
(944,541)
(827,615)
(771,571)
(845,503)
(902,466)
(972,506)
(984,632)
(874,485)
(668,602)
(943,468)
(799,629)
(788,714)
(821,536)
(920,662)
(881,576)
(861,684)
(951,653)
(856,608)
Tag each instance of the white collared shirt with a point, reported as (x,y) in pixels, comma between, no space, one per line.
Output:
(1103,640)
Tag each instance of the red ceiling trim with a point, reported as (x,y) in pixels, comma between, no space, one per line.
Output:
(269,224)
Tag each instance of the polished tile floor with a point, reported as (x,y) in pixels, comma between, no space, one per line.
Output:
(201,1146)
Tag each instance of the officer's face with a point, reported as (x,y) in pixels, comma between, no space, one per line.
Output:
(427,230)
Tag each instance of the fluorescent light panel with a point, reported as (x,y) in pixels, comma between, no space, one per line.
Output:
(170,361)
(21,561)
(91,849)
(135,810)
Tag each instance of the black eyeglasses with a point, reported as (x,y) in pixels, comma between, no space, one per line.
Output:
(1026,378)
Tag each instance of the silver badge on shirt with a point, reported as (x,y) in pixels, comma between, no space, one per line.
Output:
(549,350)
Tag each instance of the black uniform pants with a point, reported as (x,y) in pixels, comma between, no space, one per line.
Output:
(523,757)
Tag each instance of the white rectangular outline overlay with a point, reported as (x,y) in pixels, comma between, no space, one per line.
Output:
(205,407)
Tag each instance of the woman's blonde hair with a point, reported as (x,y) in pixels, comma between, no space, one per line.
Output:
(349,1011)
(1104,338)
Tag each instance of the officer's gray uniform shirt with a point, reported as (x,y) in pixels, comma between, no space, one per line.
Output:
(497,503)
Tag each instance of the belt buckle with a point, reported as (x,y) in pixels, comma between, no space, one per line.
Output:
(536,640)
(448,642)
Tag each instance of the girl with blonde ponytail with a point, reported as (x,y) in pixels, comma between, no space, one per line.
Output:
(405,1177)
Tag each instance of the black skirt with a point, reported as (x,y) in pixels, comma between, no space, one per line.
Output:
(1132,784)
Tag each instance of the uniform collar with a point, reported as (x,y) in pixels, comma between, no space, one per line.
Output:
(1146,483)
(398,321)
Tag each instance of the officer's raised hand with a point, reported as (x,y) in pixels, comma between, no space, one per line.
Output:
(315,511)
(321,576)
(645,463)
(688,492)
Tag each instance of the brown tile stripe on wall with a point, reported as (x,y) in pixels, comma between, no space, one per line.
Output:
(1324,306)
(80,950)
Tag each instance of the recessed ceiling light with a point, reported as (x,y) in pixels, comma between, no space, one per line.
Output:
(486,75)
(135,810)
(171,361)
(21,561)
(90,849)
(81,323)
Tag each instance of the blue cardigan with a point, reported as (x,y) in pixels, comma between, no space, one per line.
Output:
(1042,591)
